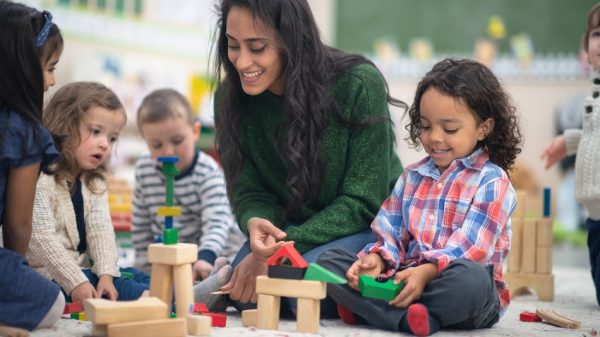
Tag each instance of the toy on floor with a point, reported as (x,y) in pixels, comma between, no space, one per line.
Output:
(308,292)
(550,316)
(530,257)
(171,273)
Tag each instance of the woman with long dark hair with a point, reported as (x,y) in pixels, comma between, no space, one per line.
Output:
(303,132)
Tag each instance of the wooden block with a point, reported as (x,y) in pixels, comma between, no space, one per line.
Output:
(99,330)
(519,212)
(157,328)
(217,320)
(387,291)
(542,284)
(198,325)
(543,258)
(172,255)
(101,311)
(285,272)
(161,282)
(267,316)
(554,318)
(308,314)
(544,232)
(249,317)
(529,246)
(291,288)
(168,211)
(317,273)
(516,248)
(288,251)
(184,292)
(72,307)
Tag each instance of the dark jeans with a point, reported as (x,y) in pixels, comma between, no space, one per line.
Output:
(593,241)
(464,296)
(352,243)
(128,289)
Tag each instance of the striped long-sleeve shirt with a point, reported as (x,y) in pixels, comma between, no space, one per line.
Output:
(462,213)
(206,218)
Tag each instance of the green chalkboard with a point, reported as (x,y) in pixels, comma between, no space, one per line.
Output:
(453,26)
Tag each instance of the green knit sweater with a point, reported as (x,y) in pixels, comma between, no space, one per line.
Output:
(361,166)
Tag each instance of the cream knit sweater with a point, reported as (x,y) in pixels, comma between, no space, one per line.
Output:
(586,144)
(54,238)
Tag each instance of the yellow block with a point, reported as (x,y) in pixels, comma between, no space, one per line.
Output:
(168,211)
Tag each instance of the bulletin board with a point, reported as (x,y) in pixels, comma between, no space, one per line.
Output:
(453,26)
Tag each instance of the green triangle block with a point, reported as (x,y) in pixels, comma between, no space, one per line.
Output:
(318,273)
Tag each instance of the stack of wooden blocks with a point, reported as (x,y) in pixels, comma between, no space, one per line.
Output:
(530,257)
(171,272)
(306,283)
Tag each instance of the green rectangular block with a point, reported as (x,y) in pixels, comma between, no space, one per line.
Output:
(369,287)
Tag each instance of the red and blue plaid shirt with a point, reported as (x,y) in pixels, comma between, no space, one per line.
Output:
(432,218)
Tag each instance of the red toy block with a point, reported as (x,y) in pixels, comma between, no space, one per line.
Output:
(72,308)
(200,308)
(217,320)
(288,251)
(527,316)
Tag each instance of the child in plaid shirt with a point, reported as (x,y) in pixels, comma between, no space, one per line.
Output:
(445,229)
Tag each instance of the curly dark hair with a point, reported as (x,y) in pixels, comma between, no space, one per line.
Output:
(310,70)
(476,86)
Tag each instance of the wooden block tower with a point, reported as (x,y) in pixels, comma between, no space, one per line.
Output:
(171,261)
(308,291)
(530,257)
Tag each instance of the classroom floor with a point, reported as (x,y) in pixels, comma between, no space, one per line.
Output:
(574,298)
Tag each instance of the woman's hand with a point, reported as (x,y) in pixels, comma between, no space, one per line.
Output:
(264,237)
(242,285)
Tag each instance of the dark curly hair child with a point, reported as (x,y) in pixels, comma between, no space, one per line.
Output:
(445,229)
(474,85)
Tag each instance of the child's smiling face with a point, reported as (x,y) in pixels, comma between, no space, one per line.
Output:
(449,128)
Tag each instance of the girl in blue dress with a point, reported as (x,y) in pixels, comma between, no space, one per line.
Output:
(31,46)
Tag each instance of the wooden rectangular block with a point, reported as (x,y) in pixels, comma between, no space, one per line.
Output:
(161,282)
(267,316)
(99,330)
(291,288)
(528,258)
(172,255)
(544,232)
(184,292)
(249,317)
(198,325)
(158,328)
(308,315)
(101,311)
(516,242)
(543,263)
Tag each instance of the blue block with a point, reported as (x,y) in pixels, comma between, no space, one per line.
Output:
(168,222)
(168,159)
